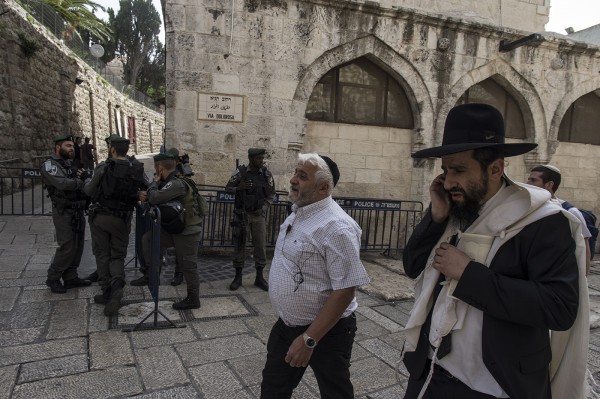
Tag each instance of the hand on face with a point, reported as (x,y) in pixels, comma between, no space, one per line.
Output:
(450,261)
(440,199)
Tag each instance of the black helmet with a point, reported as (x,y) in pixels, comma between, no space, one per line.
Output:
(172,217)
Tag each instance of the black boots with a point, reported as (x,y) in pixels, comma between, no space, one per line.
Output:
(237,280)
(177,278)
(260,281)
(77,282)
(192,301)
(56,286)
(114,302)
(93,277)
(140,281)
(102,299)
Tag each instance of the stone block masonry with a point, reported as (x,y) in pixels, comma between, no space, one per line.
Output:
(51,91)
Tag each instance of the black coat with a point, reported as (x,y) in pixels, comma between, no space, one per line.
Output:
(530,287)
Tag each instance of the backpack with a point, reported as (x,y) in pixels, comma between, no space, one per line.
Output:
(590,222)
(200,204)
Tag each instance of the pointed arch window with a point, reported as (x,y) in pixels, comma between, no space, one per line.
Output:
(490,92)
(360,92)
(580,123)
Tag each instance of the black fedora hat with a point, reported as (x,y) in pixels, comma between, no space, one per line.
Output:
(472,126)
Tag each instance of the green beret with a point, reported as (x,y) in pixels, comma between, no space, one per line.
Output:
(252,152)
(163,156)
(60,139)
(115,138)
(174,151)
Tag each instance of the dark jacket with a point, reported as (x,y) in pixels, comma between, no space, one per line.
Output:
(531,287)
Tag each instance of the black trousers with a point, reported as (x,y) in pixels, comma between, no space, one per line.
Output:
(330,361)
(442,386)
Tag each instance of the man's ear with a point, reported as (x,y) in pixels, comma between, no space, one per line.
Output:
(497,168)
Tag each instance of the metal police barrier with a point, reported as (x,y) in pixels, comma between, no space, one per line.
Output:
(386,224)
(152,219)
(22,191)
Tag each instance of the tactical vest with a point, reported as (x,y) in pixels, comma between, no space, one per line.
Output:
(120,183)
(61,198)
(192,202)
(253,199)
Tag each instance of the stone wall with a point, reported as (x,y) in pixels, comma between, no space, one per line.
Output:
(53,92)
(280,49)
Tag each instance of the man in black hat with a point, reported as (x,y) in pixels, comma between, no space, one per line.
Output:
(254,189)
(115,189)
(314,274)
(172,191)
(497,297)
(64,183)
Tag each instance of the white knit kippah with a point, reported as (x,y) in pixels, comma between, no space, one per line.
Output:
(552,167)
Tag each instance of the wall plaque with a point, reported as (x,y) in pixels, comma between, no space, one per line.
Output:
(220,107)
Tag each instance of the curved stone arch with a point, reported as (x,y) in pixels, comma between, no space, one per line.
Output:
(383,56)
(514,83)
(563,106)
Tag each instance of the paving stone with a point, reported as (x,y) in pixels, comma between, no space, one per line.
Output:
(160,367)
(249,368)
(21,282)
(41,351)
(88,292)
(261,325)
(217,380)
(20,336)
(38,266)
(97,322)
(394,392)
(114,382)
(371,374)
(110,348)
(382,350)
(393,313)
(219,328)
(8,376)
(68,319)
(40,258)
(218,349)
(30,273)
(167,336)
(380,319)
(13,262)
(45,295)
(369,329)
(8,296)
(187,392)
(25,315)
(55,367)
(220,306)
(132,314)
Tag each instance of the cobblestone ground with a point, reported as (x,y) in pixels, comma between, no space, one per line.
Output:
(55,346)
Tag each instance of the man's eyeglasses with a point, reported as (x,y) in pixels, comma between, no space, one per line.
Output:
(298,277)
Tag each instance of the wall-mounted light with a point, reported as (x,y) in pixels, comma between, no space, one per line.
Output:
(506,46)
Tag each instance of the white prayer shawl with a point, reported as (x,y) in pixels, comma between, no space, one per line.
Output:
(504,216)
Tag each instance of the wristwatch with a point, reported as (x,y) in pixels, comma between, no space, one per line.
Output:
(309,341)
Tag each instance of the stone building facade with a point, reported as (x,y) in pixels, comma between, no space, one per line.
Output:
(50,91)
(270,56)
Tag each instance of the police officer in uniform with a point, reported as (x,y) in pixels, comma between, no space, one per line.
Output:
(64,183)
(166,188)
(114,189)
(254,189)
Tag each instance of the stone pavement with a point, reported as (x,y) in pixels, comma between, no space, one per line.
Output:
(61,346)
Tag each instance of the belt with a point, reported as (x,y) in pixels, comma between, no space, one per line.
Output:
(442,371)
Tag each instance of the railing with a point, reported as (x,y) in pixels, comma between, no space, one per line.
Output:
(386,225)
